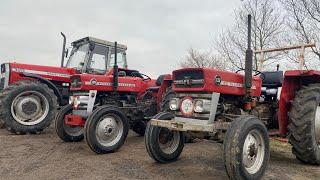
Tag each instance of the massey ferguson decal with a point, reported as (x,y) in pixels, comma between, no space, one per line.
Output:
(40,72)
(96,83)
(218,81)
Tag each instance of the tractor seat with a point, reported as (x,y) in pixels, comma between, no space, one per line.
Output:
(272,79)
(158,84)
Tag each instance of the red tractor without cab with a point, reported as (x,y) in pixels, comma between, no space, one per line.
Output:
(31,94)
(103,107)
(237,110)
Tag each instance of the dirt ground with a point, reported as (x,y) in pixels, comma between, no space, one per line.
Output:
(45,156)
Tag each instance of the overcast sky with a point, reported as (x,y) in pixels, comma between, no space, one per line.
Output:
(157,33)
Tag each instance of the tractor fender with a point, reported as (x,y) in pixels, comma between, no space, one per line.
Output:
(292,82)
(165,84)
(48,83)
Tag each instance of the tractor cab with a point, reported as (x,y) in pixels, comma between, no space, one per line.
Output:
(95,56)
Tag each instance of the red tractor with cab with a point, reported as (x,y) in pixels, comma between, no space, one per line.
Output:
(31,94)
(103,107)
(238,110)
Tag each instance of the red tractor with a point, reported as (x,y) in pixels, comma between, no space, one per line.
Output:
(103,107)
(237,110)
(31,94)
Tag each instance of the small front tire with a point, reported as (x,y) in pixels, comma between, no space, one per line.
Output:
(66,132)
(106,129)
(162,144)
(246,148)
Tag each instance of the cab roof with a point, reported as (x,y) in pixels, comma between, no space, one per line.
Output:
(98,41)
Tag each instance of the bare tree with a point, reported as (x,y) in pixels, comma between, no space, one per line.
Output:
(196,58)
(303,19)
(267,27)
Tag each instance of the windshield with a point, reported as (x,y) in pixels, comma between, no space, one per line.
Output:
(121,58)
(98,62)
(78,56)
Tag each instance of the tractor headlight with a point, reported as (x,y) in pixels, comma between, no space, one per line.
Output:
(174,104)
(202,105)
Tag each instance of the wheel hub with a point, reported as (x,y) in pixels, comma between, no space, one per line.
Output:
(29,108)
(168,140)
(253,152)
(109,130)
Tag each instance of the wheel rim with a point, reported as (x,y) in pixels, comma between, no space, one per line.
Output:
(109,130)
(317,126)
(168,140)
(30,108)
(253,151)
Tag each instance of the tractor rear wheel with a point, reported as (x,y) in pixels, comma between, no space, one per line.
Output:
(27,107)
(106,129)
(162,144)
(246,148)
(66,132)
(304,125)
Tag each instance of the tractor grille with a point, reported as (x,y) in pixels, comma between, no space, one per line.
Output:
(1,84)
(189,78)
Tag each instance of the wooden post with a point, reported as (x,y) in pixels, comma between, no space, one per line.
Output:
(301,58)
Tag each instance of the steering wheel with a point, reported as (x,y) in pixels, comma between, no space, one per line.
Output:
(257,73)
(145,77)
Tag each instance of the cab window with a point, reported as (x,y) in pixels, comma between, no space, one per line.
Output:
(98,65)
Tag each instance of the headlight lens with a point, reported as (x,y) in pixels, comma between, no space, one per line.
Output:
(202,105)
(187,106)
(198,106)
(174,104)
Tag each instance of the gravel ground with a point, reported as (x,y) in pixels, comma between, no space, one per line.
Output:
(45,156)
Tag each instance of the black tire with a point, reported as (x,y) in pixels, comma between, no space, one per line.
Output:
(8,96)
(234,143)
(66,132)
(153,145)
(164,105)
(302,125)
(139,127)
(91,128)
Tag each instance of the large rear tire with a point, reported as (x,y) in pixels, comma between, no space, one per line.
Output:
(246,148)
(106,129)
(304,124)
(162,144)
(27,107)
(66,132)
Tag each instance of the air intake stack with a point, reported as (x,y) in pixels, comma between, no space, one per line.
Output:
(248,62)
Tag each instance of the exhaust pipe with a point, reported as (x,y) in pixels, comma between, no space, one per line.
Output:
(63,49)
(248,62)
(115,68)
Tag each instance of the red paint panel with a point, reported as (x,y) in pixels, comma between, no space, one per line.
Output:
(233,82)
(48,72)
(74,120)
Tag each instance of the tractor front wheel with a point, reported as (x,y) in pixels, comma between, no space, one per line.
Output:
(27,107)
(106,129)
(66,132)
(246,148)
(304,124)
(162,144)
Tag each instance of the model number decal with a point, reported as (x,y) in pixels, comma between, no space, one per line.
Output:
(40,72)
(234,84)
(108,84)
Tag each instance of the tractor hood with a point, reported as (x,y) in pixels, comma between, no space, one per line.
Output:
(18,71)
(212,80)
